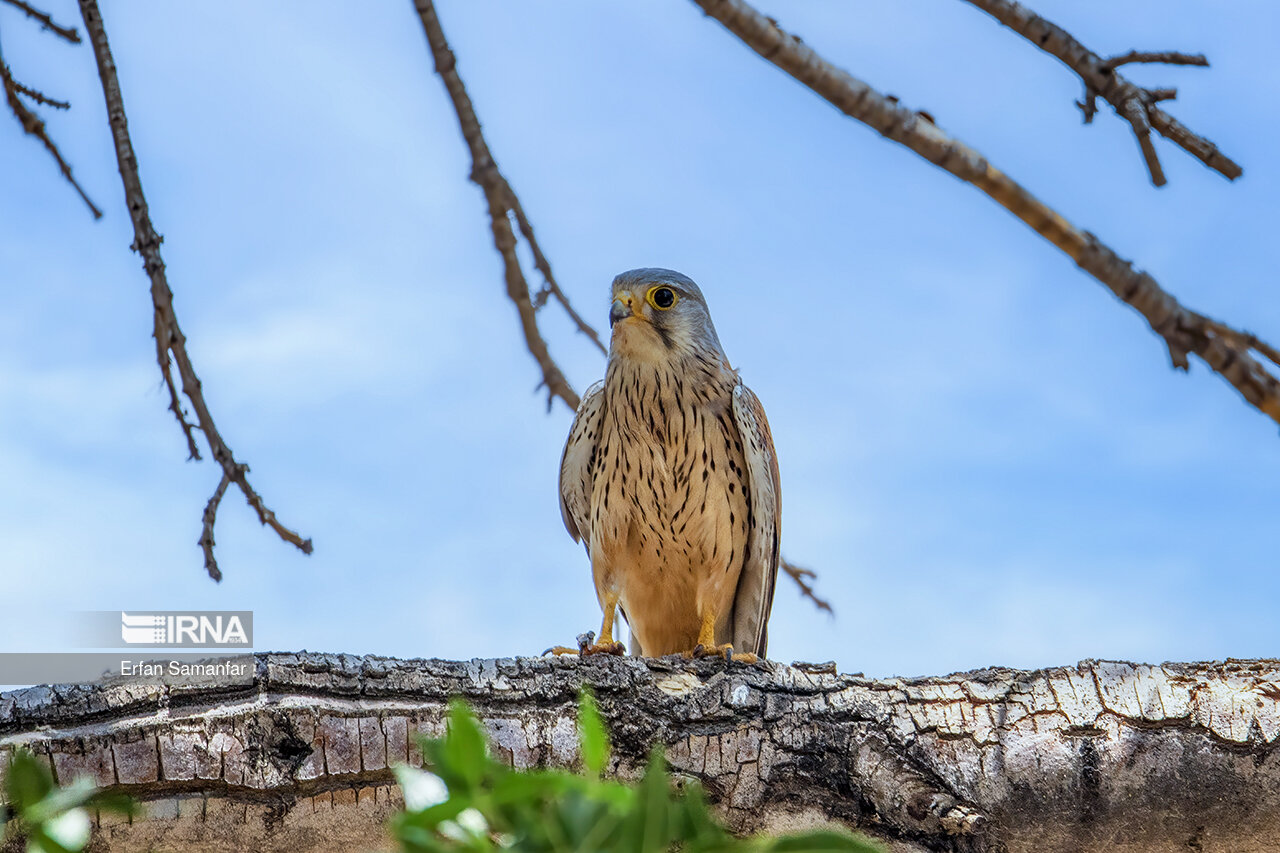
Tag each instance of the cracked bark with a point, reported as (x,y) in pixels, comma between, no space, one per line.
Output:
(1089,757)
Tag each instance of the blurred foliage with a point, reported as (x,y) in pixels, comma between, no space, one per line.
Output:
(468,801)
(53,819)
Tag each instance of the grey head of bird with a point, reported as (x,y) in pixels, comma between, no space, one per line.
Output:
(660,315)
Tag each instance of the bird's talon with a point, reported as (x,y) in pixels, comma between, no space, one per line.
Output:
(726,651)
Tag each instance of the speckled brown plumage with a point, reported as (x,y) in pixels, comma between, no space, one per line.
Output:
(670,479)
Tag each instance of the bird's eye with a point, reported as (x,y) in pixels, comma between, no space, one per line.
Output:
(662,298)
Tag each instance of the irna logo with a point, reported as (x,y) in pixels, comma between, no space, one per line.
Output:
(190,630)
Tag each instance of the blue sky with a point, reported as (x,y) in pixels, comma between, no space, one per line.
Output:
(985,456)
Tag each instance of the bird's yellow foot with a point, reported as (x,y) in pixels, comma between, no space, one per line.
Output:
(725,651)
(586,646)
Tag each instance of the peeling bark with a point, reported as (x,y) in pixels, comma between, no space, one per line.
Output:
(1097,756)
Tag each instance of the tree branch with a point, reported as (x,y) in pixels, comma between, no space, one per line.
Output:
(46,22)
(802,577)
(1100,79)
(297,755)
(206,534)
(169,337)
(499,195)
(1162,57)
(1184,331)
(544,266)
(40,97)
(32,124)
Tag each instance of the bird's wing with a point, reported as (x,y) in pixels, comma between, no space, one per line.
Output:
(754,598)
(578,462)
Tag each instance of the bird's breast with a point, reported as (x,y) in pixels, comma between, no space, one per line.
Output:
(671,482)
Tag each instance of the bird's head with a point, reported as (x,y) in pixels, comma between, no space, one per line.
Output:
(658,315)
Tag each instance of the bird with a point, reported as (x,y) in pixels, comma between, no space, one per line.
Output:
(669,478)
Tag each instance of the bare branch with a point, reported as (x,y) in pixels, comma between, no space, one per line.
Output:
(1137,116)
(40,97)
(46,22)
(164,343)
(1164,57)
(1245,340)
(544,266)
(1184,331)
(32,124)
(1101,79)
(169,337)
(802,578)
(498,193)
(206,533)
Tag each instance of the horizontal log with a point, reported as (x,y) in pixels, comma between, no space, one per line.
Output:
(1098,756)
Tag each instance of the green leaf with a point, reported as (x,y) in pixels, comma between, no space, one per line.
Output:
(490,806)
(28,782)
(59,802)
(592,734)
(648,828)
(463,751)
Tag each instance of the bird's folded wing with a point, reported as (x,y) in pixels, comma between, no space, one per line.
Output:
(578,462)
(754,597)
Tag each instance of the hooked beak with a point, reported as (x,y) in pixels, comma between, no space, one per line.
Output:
(624,306)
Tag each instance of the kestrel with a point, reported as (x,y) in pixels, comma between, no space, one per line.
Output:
(670,480)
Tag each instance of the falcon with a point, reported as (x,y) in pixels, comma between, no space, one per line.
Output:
(670,480)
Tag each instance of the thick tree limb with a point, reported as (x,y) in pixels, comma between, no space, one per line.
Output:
(502,201)
(46,22)
(1098,757)
(1131,102)
(169,338)
(1184,331)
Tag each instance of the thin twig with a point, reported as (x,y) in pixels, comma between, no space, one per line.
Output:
(46,22)
(164,344)
(206,533)
(1163,57)
(499,195)
(1102,80)
(40,97)
(1184,331)
(1136,113)
(32,124)
(169,337)
(801,577)
(544,266)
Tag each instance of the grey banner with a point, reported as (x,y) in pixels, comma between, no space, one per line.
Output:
(164,629)
(185,670)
